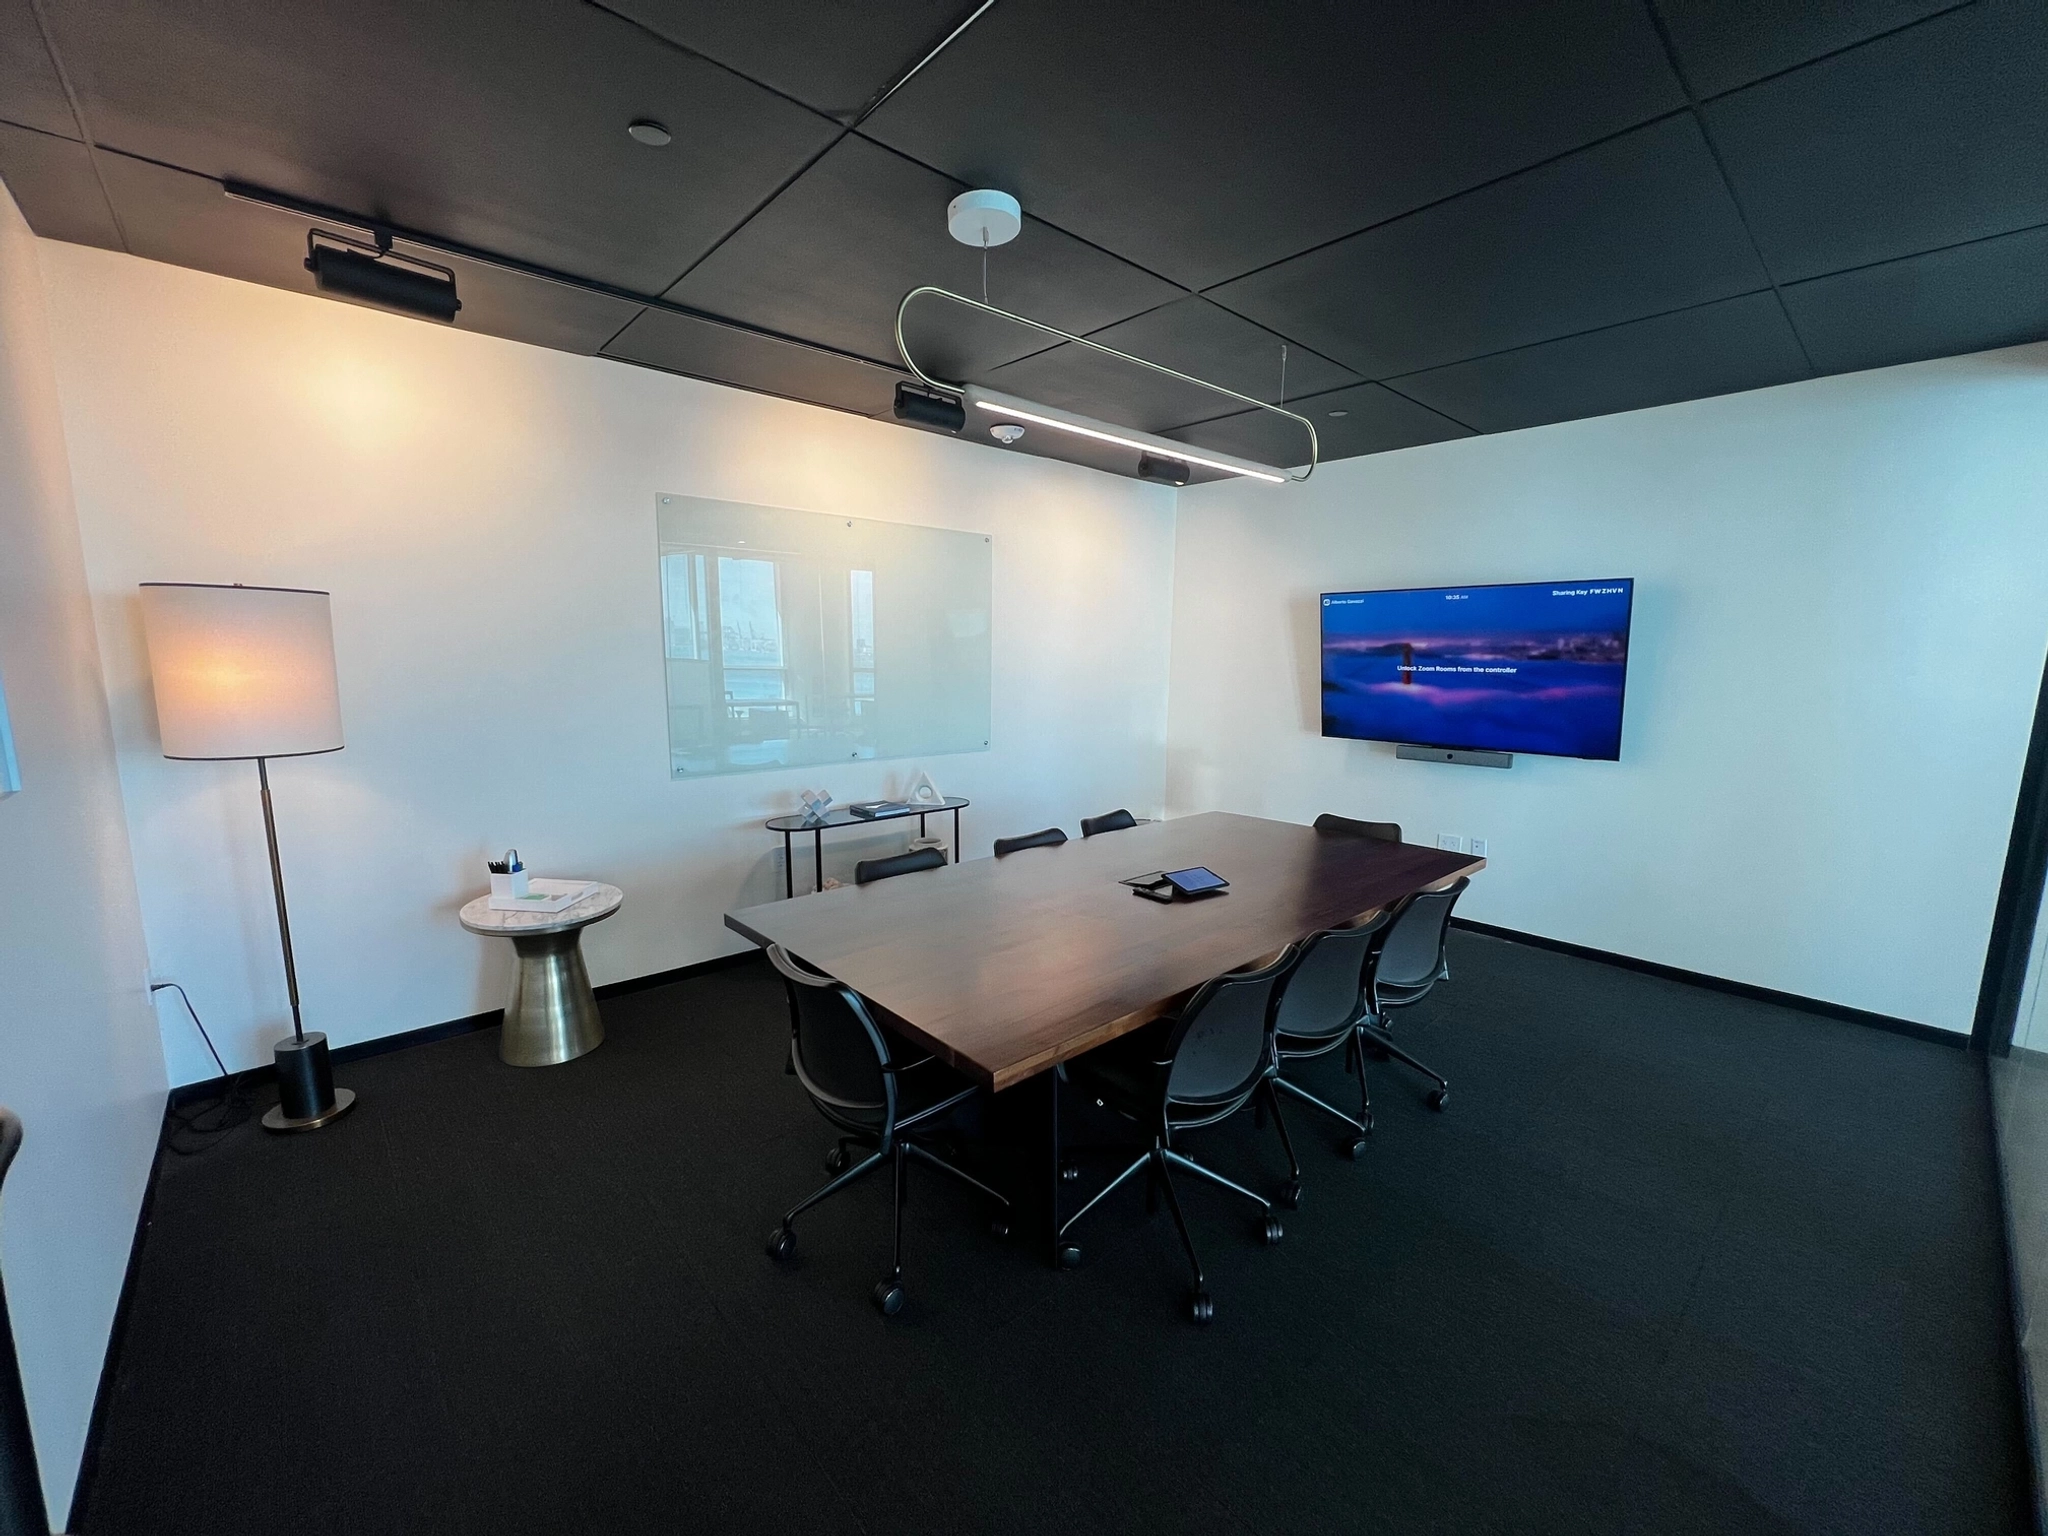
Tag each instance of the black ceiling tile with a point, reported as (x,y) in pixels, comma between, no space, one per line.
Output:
(1722,44)
(31,94)
(1076,379)
(1926,138)
(187,220)
(1205,138)
(1366,418)
(1716,349)
(502,126)
(1201,338)
(831,258)
(1991,293)
(834,56)
(703,350)
(53,185)
(1639,225)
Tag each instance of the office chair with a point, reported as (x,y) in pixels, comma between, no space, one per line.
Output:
(1383,831)
(21,1484)
(1113,821)
(1409,962)
(867,871)
(1051,837)
(1323,1006)
(878,1090)
(1182,1073)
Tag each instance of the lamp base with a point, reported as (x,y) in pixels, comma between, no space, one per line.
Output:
(306,1096)
(276,1119)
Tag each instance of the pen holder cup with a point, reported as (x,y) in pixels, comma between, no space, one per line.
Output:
(513,884)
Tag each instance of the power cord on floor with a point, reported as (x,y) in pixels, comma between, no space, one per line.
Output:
(191,1131)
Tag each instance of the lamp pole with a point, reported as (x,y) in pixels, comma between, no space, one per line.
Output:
(284,922)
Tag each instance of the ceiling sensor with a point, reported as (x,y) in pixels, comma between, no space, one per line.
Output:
(646,130)
(1335,414)
(984,218)
(1006,432)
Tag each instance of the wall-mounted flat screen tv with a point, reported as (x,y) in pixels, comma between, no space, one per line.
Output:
(1538,666)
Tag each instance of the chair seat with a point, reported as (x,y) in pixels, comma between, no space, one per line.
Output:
(1396,994)
(1311,1045)
(925,1087)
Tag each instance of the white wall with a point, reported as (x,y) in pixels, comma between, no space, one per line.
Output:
(441,484)
(79,1060)
(1841,612)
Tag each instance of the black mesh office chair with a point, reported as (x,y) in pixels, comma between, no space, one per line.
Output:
(21,1485)
(1383,831)
(1180,1074)
(1051,837)
(1408,963)
(867,871)
(1323,1006)
(878,1090)
(1113,821)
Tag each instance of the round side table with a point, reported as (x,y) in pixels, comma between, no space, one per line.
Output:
(552,1017)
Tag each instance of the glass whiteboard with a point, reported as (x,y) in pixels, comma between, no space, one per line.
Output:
(796,638)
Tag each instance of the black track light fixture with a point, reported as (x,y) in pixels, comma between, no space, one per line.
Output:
(930,408)
(375,274)
(1161,470)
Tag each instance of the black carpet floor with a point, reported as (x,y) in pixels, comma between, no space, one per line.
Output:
(1671,1262)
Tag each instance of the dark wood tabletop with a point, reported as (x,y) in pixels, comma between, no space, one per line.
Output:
(1005,966)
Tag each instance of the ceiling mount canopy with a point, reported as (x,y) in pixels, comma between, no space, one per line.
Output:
(1007,408)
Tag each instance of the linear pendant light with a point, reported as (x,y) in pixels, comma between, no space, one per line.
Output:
(1011,408)
(1008,408)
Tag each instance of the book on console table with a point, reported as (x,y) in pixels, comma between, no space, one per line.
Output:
(546,896)
(868,810)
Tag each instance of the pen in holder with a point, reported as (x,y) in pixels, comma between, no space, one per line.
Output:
(508,875)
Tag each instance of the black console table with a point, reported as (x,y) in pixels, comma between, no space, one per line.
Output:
(790,826)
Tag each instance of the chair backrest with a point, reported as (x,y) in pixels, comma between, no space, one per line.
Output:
(1051,837)
(1113,821)
(1324,994)
(1412,953)
(1384,831)
(1221,1042)
(835,1046)
(910,863)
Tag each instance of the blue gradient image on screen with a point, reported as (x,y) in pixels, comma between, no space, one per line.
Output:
(1538,667)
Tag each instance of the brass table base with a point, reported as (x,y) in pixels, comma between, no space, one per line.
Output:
(552,1017)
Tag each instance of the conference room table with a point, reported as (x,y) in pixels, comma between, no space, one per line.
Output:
(1006,967)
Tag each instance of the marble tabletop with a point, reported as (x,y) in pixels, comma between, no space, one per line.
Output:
(480,917)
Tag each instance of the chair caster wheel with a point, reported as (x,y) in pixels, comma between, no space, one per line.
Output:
(1272,1232)
(999,1228)
(1070,1256)
(1200,1308)
(782,1243)
(836,1160)
(888,1297)
(1439,1098)
(1290,1194)
(1355,1150)
(1070,1171)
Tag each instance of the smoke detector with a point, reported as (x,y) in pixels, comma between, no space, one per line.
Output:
(1006,432)
(984,218)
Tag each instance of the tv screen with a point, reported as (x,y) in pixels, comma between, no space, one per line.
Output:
(1538,666)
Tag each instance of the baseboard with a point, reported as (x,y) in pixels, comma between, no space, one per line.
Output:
(212,1087)
(102,1397)
(1883,1021)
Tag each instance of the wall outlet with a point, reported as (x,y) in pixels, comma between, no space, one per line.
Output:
(1478,846)
(1450,842)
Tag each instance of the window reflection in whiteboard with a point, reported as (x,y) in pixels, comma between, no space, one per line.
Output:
(795,638)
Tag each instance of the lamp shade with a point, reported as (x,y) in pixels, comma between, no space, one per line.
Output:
(241,671)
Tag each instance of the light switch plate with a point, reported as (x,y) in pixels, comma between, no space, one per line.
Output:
(1478,846)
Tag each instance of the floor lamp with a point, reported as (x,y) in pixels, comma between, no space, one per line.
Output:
(248,672)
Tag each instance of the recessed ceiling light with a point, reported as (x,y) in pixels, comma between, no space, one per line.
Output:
(1340,413)
(646,130)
